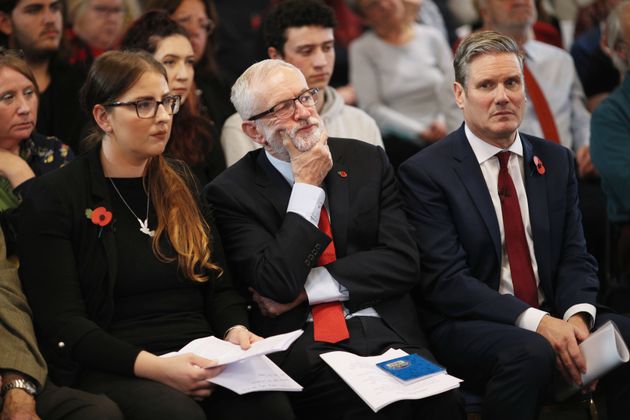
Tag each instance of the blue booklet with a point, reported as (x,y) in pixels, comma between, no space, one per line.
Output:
(410,368)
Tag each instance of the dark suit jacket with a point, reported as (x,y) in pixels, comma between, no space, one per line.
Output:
(273,251)
(68,268)
(457,232)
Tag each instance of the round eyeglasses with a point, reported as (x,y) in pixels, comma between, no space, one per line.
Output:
(147,108)
(286,108)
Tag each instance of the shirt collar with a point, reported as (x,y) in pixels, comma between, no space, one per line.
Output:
(283,167)
(484,151)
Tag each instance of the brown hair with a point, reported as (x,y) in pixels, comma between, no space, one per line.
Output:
(207,63)
(111,75)
(14,60)
(191,135)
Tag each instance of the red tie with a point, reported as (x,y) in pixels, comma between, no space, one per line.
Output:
(520,261)
(329,322)
(541,107)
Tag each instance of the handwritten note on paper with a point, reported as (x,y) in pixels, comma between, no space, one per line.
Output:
(255,374)
(376,387)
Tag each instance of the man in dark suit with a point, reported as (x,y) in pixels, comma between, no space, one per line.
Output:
(277,209)
(508,286)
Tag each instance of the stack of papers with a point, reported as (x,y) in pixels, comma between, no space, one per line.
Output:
(248,370)
(378,388)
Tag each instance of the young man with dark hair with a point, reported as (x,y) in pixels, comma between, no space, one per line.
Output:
(35,27)
(301,33)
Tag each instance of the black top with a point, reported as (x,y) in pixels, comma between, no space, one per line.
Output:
(69,269)
(155,308)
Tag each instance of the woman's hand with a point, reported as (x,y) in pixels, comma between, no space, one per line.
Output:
(14,168)
(187,373)
(240,335)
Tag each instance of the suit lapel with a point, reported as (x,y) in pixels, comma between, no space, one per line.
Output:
(536,189)
(272,185)
(100,197)
(469,173)
(337,187)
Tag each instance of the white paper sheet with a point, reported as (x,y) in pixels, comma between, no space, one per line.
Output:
(603,350)
(225,353)
(255,374)
(376,387)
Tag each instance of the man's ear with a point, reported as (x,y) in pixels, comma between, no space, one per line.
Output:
(6,26)
(273,53)
(102,118)
(459,92)
(251,129)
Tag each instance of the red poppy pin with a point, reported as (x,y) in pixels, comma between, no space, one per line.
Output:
(539,165)
(100,217)
(342,174)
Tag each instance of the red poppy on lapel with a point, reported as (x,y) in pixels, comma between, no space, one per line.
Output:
(539,165)
(342,174)
(99,216)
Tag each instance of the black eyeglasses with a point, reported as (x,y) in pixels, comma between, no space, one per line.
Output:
(286,108)
(147,108)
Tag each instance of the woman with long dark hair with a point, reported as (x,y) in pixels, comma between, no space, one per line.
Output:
(194,138)
(121,265)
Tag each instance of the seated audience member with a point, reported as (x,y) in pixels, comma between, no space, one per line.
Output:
(35,27)
(555,109)
(24,153)
(24,392)
(194,139)
(120,265)
(277,209)
(300,32)
(610,137)
(509,289)
(402,75)
(199,18)
(594,66)
(97,26)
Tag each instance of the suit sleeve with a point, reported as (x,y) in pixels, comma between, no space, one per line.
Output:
(18,347)
(274,252)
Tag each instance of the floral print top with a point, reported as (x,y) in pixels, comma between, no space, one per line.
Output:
(43,154)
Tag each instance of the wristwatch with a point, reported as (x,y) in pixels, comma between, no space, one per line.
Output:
(23,384)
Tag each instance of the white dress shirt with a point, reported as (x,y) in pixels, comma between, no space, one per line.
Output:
(307,200)
(489,164)
(555,72)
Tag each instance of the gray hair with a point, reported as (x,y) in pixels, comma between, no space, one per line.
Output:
(249,87)
(479,43)
(615,35)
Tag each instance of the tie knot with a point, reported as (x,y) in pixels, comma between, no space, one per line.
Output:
(504,157)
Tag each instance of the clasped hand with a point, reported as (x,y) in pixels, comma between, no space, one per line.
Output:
(565,337)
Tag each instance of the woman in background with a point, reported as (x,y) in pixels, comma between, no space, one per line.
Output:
(96,26)
(199,18)
(120,265)
(194,138)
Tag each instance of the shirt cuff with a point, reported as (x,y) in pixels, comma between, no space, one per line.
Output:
(530,318)
(582,307)
(307,201)
(321,287)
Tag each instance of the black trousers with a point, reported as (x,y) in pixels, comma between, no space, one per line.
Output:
(512,367)
(327,396)
(56,403)
(141,399)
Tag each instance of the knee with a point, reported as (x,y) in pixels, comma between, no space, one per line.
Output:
(533,360)
(174,408)
(102,408)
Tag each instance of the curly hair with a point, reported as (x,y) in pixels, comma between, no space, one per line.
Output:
(294,14)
